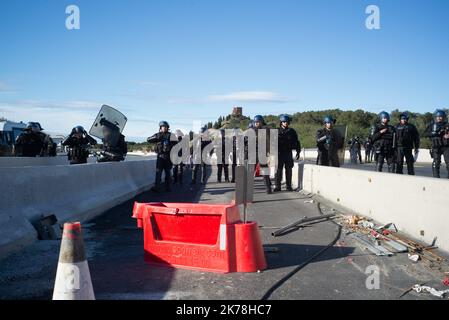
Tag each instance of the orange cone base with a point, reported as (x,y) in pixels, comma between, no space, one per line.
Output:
(250,256)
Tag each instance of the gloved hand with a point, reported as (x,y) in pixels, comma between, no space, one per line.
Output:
(297,155)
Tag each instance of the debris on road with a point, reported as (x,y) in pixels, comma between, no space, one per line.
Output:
(413,257)
(309,201)
(297,224)
(440,294)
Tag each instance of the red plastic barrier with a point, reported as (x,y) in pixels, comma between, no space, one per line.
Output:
(206,237)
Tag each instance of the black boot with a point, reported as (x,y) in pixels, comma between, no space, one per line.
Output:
(288,178)
(268,184)
(436,172)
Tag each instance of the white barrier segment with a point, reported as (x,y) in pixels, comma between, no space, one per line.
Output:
(78,192)
(417,205)
(223,237)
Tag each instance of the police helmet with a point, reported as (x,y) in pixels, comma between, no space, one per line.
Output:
(328,119)
(164,124)
(259,118)
(384,115)
(78,129)
(285,118)
(404,115)
(439,113)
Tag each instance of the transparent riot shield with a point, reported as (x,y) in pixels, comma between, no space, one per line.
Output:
(108,120)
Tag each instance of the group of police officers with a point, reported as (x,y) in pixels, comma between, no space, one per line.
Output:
(387,143)
(287,142)
(390,144)
(33,142)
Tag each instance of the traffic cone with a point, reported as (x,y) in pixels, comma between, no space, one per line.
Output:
(73,280)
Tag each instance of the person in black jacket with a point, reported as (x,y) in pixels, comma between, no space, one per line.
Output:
(287,142)
(384,137)
(114,145)
(164,141)
(221,163)
(178,169)
(328,141)
(407,139)
(78,143)
(438,132)
(199,164)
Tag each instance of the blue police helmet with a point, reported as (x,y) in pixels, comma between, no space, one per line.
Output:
(439,113)
(404,115)
(384,115)
(285,118)
(328,119)
(164,124)
(258,118)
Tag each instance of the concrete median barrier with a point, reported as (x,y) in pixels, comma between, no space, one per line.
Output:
(70,192)
(417,205)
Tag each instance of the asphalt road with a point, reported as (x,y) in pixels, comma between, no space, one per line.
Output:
(115,253)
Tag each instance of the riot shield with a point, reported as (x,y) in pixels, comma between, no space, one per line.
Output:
(342,130)
(108,119)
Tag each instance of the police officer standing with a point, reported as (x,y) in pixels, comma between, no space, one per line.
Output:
(199,164)
(78,143)
(355,149)
(222,165)
(259,124)
(178,170)
(407,138)
(329,141)
(438,132)
(384,136)
(368,150)
(287,142)
(164,143)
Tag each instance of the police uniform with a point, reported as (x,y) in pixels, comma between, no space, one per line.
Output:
(385,146)
(329,141)
(407,139)
(78,148)
(222,165)
(287,142)
(29,144)
(164,144)
(440,145)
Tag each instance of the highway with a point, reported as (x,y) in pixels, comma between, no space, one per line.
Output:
(115,253)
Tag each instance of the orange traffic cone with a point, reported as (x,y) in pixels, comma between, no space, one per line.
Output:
(73,280)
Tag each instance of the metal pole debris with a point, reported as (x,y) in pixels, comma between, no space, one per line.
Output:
(299,222)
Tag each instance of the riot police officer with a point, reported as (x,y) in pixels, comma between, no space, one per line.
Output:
(30,142)
(438,132)
(164,141)
(78,142)
(259,124)
(328,141)
(407,139)
(355,150)
(287,142)
(384,136)
(204,141)
(178,170)
(114,146)
(368,150)
(221,163)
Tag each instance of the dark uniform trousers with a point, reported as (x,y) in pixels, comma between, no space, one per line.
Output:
(436,155)
(408,155)
(163,164)
(284,160)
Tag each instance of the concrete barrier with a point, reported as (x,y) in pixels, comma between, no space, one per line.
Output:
(9,162)
(417,205)
(311,154)
(70,192)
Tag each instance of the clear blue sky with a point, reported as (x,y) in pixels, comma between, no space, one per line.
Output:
(186,61)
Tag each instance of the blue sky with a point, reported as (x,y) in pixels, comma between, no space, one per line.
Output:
(187,61)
